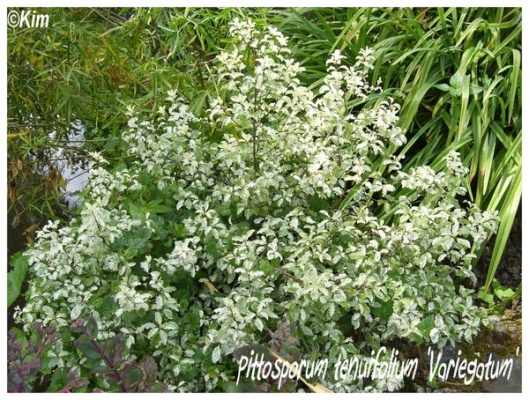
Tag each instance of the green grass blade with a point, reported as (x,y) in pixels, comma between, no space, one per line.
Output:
(507,215)
(463,116)
(515,74)
(486,160)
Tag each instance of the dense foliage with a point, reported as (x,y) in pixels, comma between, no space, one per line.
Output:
(457,74)
(82,70)
(279,205)
(455,71)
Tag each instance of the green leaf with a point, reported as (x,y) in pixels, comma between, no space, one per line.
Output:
(132,376)
(317,204)
(21,338)
(475,89)
(102,370)
(16,277)
(384,311)
(86,347)
(426,325)
(266,267)
(156,207)
(107,307)
(91,328)
(59,380)
(150,369)
(76,311)
(456,81)
(443,86)
(502,292)
(487,297)
(158,387)
(114,349)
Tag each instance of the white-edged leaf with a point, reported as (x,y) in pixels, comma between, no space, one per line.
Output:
(217,353)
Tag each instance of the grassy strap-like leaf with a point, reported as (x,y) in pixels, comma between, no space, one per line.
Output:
(507,215)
